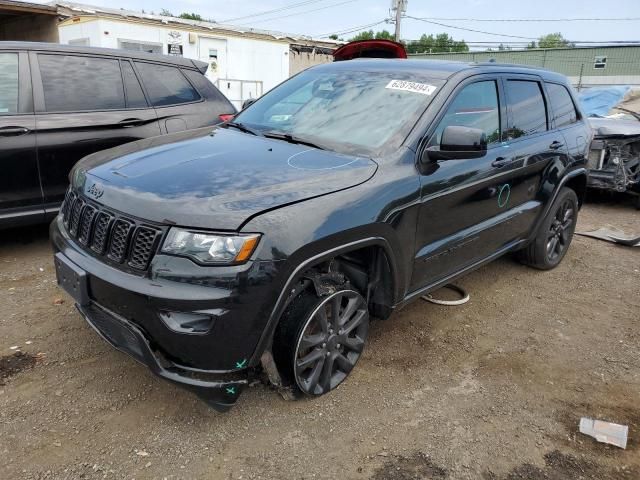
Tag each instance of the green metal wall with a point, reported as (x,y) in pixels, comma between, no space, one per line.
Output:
(569,61)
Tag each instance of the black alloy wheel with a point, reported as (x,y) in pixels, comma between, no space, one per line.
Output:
(330,342)
(561,230)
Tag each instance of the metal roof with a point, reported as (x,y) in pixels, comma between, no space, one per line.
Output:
(27,7)
(78,9)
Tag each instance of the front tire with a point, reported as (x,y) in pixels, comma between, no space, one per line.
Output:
(320,339)
(552,241)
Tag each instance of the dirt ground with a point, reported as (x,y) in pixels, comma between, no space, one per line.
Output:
(493,389)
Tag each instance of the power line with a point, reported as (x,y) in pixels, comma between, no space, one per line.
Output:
(275,10)
(627,19)
(353,29)
(469,29)
(297,13)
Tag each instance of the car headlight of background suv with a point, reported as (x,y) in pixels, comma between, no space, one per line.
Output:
(209,248)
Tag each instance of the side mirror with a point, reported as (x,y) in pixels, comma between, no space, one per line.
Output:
(248,102)
(458,143)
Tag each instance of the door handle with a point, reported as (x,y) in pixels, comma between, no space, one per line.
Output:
(13,131)
(556,145)
(500,162)
(130,122)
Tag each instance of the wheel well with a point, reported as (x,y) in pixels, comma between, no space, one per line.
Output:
(367,270)
(579,185)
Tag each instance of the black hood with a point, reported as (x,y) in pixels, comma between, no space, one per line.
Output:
(215,179)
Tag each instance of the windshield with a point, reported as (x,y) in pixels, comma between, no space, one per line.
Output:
(344,110)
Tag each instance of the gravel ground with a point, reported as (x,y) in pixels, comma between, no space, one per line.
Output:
(493,389)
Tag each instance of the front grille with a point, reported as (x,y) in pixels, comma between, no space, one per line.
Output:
(121,240)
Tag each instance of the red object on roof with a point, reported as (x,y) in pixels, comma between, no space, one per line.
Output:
(370,49)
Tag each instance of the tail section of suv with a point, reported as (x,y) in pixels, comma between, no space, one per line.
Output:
(59,104)
(266,245)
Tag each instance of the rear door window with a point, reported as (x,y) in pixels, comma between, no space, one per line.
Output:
(475,106)
(166,85)
(74,83)
(564,110)
(528,114)
(8,83)
(135,96)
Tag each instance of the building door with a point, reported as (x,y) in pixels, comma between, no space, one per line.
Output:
(214,52)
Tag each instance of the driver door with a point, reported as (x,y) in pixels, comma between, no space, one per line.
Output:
(463,201)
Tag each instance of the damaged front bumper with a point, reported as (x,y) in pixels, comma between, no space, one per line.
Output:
(220,391)
(614,157)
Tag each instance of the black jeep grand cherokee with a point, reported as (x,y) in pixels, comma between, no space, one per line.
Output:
(265,244)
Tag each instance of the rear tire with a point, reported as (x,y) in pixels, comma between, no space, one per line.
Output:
(552,241)
(320,339)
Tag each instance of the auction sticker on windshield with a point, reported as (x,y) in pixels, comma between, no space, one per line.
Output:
(415,87)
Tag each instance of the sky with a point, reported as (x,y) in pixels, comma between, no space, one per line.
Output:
(321,17)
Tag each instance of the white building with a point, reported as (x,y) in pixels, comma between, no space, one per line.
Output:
(243,63)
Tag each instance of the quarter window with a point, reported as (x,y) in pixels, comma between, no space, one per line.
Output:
(73,83)
(8,83)
(564,111)
(166,85)
(475,106)
(528,109)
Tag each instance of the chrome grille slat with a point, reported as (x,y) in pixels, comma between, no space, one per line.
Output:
(120,239)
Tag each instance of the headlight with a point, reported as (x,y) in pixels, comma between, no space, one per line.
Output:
(210,248)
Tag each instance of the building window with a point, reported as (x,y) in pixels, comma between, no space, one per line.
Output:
(600,63)
(79,42)
(140,46)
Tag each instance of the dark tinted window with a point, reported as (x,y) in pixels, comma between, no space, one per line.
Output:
(564,111)
(475,106)
(72,83)
(528,111)
(135,97)
(166,85)
(8,83)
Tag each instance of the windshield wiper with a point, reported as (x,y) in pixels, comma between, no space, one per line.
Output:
(287,137)
(242,127)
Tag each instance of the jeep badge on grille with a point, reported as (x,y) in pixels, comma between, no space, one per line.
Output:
(95,191)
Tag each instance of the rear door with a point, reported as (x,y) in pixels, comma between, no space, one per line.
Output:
(20,193)
(84,104)
(567,120)
(178,103)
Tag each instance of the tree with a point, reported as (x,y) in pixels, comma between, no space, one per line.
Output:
(371,35)
(165,13)
(192,16)
(531,46)
(554,40)
(367,35)
(333,37)
(440,43)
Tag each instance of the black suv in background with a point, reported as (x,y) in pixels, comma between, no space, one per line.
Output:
(59,104)
(265,244)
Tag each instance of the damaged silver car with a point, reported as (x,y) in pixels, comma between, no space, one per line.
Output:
(614,159)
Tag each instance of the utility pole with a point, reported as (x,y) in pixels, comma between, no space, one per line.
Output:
(400,7)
